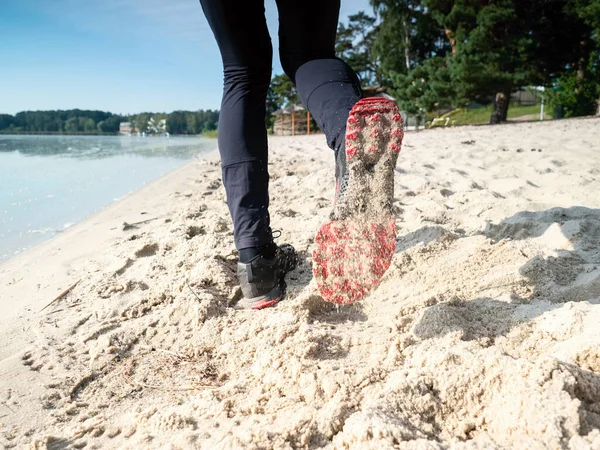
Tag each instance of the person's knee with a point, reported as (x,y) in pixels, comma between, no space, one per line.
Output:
(317,66)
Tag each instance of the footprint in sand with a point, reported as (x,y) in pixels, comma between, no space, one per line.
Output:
(324,346)
(589,359)
(193,231)
(460,172)
(215,184)
(147,250)
(289,213)
(196,211)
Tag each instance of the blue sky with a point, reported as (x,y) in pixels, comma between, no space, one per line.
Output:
(123,56)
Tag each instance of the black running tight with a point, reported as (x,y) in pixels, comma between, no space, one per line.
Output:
(327,86)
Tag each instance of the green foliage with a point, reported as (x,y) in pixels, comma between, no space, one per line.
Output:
(492,58)
(428,87)
(440,54)
(99,122)
(89,126)
(577,97)
(588,11)
(110,125)
(192,122)
(354,45)
(6,121)
(71,121)
(282,92)
(140,121)
(474,116)
(407,35)
(212,134)
(577,91)
(72,125)
(177,123)
(492,49)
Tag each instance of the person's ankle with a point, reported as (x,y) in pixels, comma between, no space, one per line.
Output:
(248,254)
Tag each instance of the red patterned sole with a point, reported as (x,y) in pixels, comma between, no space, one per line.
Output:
(264,304)
(352,255)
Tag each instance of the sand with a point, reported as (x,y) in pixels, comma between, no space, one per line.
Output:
(484,333)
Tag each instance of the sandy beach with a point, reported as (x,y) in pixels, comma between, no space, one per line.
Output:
(484,333)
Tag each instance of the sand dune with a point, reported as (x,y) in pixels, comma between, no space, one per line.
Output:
(484,333)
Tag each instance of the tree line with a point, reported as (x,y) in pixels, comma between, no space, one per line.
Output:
(437,55)
(100,122)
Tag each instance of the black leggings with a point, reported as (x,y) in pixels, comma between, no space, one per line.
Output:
(327,86)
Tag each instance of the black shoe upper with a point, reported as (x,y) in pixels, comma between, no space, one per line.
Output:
(264,277)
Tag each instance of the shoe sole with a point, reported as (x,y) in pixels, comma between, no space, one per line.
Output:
(265,301)
(353,254)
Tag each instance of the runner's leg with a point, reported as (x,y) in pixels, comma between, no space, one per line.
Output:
(327,86)
(353,250)
(242,36)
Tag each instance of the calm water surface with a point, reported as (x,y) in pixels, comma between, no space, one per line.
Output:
(48,183)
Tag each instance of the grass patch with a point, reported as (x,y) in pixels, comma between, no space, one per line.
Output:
(482,115)
(210,134)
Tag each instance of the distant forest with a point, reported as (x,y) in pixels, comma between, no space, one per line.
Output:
(78,121)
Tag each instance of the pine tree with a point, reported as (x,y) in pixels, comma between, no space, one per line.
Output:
(588,65)
(407,35)
(354,44)
(426,88)
(501,45)
(411,47)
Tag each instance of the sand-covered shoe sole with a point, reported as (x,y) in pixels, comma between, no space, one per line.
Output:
(353,252)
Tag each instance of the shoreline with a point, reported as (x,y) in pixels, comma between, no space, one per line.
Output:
(102,225)
(212,134)
(84,175)
(57,133)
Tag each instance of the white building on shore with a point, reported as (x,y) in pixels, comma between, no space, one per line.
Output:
(126,128)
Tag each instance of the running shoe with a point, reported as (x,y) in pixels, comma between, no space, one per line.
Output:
(263,279)
(355,247)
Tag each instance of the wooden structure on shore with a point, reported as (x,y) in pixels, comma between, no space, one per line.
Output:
(295,119)
(291,121)
(377,91)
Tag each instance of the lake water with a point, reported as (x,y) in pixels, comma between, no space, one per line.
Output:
(48,183)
